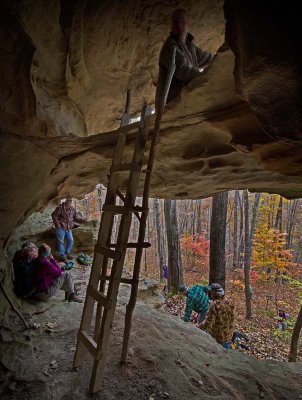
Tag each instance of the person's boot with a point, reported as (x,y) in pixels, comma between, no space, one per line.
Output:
(74,298)
(70,257)
(64,259)
(77,288)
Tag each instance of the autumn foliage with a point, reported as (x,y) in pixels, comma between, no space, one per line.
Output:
(269,253)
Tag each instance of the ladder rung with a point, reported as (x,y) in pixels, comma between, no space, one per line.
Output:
(88,342)
(140,209)
(99,297)
(122,197)
(128,128)
(125,167)
(120,167)
(123,280)
(113,254)
(112,208)
(143,245)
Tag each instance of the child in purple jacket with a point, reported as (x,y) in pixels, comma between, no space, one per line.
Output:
(50,278)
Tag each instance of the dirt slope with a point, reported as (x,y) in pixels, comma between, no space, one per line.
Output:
(168,359)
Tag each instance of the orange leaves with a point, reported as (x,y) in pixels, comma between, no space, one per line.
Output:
(237,283)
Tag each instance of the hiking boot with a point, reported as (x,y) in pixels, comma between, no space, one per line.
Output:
(74,298)
(76,292)
(64,259)
(70,257)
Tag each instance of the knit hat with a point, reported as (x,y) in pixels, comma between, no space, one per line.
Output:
(217,289)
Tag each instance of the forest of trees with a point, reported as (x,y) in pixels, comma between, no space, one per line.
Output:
(233,238)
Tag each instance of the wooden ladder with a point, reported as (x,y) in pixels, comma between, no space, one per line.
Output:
(97,342)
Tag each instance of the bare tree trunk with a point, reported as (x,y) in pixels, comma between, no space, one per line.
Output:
(159,238)
(101,197)
(193,219)
(183,220)
(278,220)
(298,253)
(198,217)
(235,237)
(148,240)
(270,213)
(295,338)
(241,233)
(163,224)
(290,224)
(247,256)
(208,224)
(217,238)
(174,255)
(254,218)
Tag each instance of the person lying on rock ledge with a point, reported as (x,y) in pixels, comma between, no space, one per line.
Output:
(50,278)
(190,60)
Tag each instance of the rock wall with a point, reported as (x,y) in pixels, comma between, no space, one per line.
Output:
(265,37)
(65,68)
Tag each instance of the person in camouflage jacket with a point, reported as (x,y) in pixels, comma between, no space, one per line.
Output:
(219,322)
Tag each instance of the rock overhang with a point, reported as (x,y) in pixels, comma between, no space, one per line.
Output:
(74,68)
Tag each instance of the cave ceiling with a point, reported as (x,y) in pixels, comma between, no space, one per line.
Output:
(66,66)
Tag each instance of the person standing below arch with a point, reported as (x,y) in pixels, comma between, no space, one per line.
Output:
(63,218)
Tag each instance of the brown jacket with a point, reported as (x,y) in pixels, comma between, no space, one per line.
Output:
(188,59)
(220,320)
(64,217)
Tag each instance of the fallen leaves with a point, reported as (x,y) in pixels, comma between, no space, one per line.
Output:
(51,325)
(35,325)
(53,364)
(179,362)
(263,342)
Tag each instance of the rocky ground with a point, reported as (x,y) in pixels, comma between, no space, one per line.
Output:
(168,359)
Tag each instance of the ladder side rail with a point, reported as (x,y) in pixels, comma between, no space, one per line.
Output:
(87,314)
(117,268)
(117,158)
(99,260)
(139,252)
(129,201)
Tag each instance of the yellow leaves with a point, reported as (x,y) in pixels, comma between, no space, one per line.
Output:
(269,252)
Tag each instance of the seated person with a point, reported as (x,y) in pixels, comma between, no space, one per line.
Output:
(50,278)
(24,266)
(18,254)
